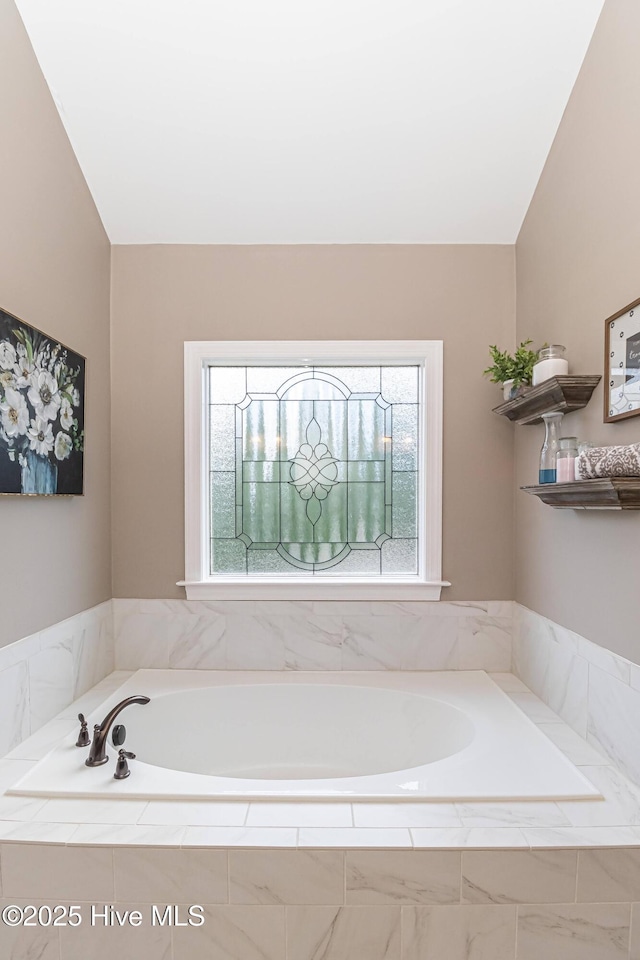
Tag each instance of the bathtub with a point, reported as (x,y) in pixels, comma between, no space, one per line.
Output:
(317,736)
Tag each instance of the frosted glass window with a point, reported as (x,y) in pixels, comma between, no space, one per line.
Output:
(314,470)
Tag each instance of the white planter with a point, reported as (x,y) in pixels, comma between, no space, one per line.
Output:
(506,389)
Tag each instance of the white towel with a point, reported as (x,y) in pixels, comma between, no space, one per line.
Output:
(621,461)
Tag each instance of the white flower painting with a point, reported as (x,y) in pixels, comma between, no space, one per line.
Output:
(41,412)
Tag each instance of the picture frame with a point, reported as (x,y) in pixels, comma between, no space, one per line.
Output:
(622,364)
(42,400)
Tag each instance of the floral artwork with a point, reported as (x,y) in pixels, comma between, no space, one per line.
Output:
(41,412)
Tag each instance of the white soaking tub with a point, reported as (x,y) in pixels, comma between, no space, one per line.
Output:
(317,736)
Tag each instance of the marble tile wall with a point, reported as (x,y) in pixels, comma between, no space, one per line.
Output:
(283,635)
(327,904)
(43,673)
(594,690)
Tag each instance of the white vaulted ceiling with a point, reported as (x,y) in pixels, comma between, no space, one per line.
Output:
(311,121)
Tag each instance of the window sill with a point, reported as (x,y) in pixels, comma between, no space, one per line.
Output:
(313,588)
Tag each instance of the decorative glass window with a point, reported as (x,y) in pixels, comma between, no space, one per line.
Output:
(313,463)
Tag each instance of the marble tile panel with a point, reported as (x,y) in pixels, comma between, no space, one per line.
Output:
(401,643)
(300,815)
(435,644)
(479,838)
(19,650)
(28,943)
(42,741)
(377,643)
(99,941)
(20,808)
(546,656)
(35,831)
(634,946)
(92,699)
(573,746)
(234,933)
(608,876)
(516,814)
(605,660)
(127,835)
(52,678)
(313,643)
(170,876)
(518,876)
(614,720)
(194,813)
(459,933)
(15,722)
(96,655)
(198,642)
(55,873)
(284,608)
(500,608)
(352,837)
(255,643)
(12,770)
(535,708)
(572,837)
(342,608)
(92,811)
(484,643)
(405,815)
(343,933)
(406,608)
(286,876)
(620,807)
(634,676)
(402,877)
(274,837)
(593,931)
(509,682)
(144,640)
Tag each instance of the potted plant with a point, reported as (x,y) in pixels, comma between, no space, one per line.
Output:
(513,372)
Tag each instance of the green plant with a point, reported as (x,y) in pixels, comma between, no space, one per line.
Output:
(518,367)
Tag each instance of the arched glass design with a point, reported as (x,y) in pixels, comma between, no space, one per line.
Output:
(314,470)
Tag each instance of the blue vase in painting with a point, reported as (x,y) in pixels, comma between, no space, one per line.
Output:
(38,474)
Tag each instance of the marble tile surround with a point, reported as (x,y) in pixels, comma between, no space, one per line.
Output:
(341,904)
(594,690)
(474,881)
(308,635)
(42,674)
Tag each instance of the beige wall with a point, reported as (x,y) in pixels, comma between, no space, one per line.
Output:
(164,295)
(578,262)
(54,273)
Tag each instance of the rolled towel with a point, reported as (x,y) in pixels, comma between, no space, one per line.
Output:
(622,461)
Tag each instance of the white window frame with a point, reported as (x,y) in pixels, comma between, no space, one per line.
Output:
(198,356)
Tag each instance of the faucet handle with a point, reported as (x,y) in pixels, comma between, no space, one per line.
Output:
(83,737)
(122,767)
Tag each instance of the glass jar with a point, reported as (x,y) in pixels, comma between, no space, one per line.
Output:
(551,363)
(566,459)
(549,451)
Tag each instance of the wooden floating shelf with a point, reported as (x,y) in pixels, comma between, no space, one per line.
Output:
(612,493)
(556,395)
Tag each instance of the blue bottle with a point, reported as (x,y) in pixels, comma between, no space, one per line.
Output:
(549,451)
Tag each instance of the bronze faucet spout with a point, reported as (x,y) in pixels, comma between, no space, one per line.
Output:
(98,752)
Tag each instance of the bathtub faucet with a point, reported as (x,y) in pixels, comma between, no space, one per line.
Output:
(98,752)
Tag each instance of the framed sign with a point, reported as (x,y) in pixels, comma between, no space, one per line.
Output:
(41,412)
(622,364)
